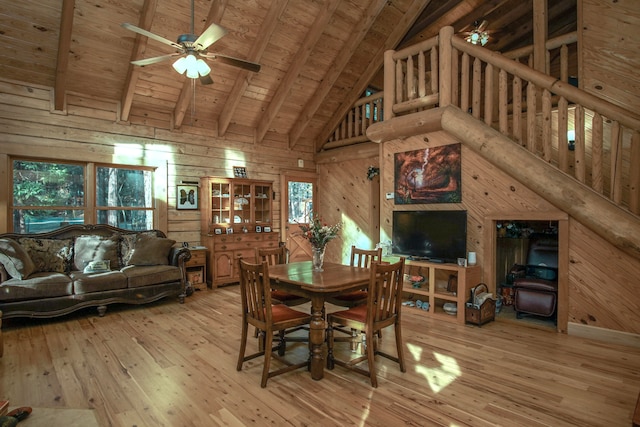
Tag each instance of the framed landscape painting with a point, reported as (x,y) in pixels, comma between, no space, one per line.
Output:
(429,175)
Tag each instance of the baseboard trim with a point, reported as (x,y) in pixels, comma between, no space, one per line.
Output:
(601,334)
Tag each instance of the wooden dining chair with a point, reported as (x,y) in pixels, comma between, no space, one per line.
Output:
(384,301)
(275,256)
(257,310)
(359,258)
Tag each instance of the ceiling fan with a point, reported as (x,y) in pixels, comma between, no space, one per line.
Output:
(478,34)
(191,49)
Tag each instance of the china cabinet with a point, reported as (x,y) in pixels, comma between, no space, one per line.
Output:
(236,218)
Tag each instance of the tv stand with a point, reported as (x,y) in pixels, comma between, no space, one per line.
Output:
(433,290)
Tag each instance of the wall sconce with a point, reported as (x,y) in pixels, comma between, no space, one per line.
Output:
(571,138)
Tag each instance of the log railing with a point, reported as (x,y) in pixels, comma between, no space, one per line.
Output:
(353,127)
(533,109)
(601,154)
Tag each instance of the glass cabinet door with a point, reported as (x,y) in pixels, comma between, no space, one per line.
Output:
(242,203)
(263,204)
(220,203)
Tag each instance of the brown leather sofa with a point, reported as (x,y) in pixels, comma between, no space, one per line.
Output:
(536,283)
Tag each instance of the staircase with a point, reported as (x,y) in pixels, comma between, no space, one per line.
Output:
(519,119)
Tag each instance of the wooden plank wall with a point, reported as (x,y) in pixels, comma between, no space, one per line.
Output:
(90,131)
(606,53)
(346,195)
(602,279)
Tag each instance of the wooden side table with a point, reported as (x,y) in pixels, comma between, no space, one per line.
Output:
(197,267)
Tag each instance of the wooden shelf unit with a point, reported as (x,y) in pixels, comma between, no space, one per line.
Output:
(236,216)
(434,289)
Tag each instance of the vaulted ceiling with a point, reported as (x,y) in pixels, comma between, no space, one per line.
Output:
(317,56)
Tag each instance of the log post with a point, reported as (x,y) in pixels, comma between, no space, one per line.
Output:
(444,46)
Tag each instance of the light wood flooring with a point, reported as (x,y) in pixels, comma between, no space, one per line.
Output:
(168,364)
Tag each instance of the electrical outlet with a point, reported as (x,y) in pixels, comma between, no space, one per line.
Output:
(300,163)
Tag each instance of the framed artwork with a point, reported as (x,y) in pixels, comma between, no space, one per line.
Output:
(258,229)
(429,175)
(239,171)
(267,229)
(187,197)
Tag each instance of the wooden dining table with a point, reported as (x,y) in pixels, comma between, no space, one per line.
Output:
(299,278)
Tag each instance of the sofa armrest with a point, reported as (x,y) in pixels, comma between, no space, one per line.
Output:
(4,276)
(179,255)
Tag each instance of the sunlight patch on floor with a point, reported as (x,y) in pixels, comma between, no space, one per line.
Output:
(440,376)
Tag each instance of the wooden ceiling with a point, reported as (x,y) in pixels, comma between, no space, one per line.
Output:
(317,56)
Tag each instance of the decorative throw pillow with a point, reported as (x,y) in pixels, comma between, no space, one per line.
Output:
(101,266)
(128,242)
(95,248)
(149,250)
(48,254)
(15,259)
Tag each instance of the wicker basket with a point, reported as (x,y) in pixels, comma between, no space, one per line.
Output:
(479,314)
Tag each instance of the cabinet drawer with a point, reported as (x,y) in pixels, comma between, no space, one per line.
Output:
(239,237)
(197,258)
(233,246)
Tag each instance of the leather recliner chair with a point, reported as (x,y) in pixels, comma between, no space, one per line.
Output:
(536,283)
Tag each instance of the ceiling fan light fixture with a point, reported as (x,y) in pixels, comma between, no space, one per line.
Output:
(180,65)
(203,68)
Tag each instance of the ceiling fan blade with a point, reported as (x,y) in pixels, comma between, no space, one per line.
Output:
(210,36)
(154,60)
(483,24)
(151,35)
(240,63)
(206,80)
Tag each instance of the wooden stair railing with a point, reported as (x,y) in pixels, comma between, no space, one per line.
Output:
(533,109)
(365,112)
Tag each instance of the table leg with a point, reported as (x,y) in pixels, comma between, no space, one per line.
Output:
(316,338)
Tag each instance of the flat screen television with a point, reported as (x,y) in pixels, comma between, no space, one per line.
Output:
(438,236)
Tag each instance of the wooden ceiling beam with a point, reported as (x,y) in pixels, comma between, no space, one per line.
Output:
(186,94)
(310,40)
(336,68)
(255,54)
(64,45)
(413,11)
(139,46)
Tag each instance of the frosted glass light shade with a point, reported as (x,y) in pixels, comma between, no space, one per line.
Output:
(180,65)
(203,68)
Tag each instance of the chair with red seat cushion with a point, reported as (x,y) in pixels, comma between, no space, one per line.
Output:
(258,311)
(275,256)
(384,301)
(359,258)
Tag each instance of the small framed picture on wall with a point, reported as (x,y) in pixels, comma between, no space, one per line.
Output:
(258,229)
(239,172)
(187,197)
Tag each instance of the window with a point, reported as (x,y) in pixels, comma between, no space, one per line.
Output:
(300,199)
(48,195)
(124,197)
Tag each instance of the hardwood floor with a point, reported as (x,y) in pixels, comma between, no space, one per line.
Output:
(168,364)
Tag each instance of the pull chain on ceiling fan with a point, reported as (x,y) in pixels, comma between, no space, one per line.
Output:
(191,49)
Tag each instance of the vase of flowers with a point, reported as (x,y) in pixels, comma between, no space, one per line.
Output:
(319,234)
